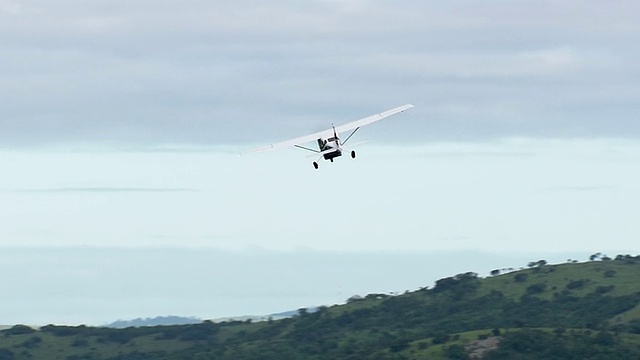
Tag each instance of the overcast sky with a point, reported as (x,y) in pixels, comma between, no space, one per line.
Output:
(121,123)
(210,72)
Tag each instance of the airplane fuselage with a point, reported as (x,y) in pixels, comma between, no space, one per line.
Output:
(332,155)
(330,148)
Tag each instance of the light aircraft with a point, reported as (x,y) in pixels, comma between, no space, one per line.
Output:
(329,144)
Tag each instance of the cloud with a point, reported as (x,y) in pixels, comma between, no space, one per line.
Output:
(104,190)
(150,73)
(580,188)
(10,8)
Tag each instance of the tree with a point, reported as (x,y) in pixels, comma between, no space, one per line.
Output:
(605,338)
(440,338)
(19,330)
(456,352)
(537,264)
(458,287)
(541,263)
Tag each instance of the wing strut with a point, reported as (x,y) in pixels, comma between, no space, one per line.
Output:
(350,135)
(306,148)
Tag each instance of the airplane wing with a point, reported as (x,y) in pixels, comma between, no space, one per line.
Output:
(371,119)
(339,129)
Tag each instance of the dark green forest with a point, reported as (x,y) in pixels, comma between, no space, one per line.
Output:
(574,310)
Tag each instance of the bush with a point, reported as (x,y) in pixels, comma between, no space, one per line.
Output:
(32,342)
(577,284)
(456,352)
(63,330)
(80,342)
(604,289)
(536,288)
(440,338)
(520,277)
(634,326)
(202,331)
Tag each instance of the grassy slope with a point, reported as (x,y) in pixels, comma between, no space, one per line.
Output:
(624,280)
(586,277)
(557,278)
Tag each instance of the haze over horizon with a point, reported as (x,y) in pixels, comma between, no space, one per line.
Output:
(97,286)
(122,123)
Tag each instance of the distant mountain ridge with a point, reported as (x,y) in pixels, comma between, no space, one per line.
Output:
(182,320)
(156,321)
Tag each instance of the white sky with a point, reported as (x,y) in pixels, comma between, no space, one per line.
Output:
(558,195)
(121,123)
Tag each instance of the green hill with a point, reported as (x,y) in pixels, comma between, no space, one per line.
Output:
(568,311)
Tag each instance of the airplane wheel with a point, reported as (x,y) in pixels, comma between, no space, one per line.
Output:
(315,165)
(353,154)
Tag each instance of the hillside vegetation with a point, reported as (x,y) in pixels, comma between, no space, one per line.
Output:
(568,311)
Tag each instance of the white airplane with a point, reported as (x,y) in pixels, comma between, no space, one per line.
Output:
(329,144)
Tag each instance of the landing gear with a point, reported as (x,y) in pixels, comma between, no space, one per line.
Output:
(353,154)
(315,165)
